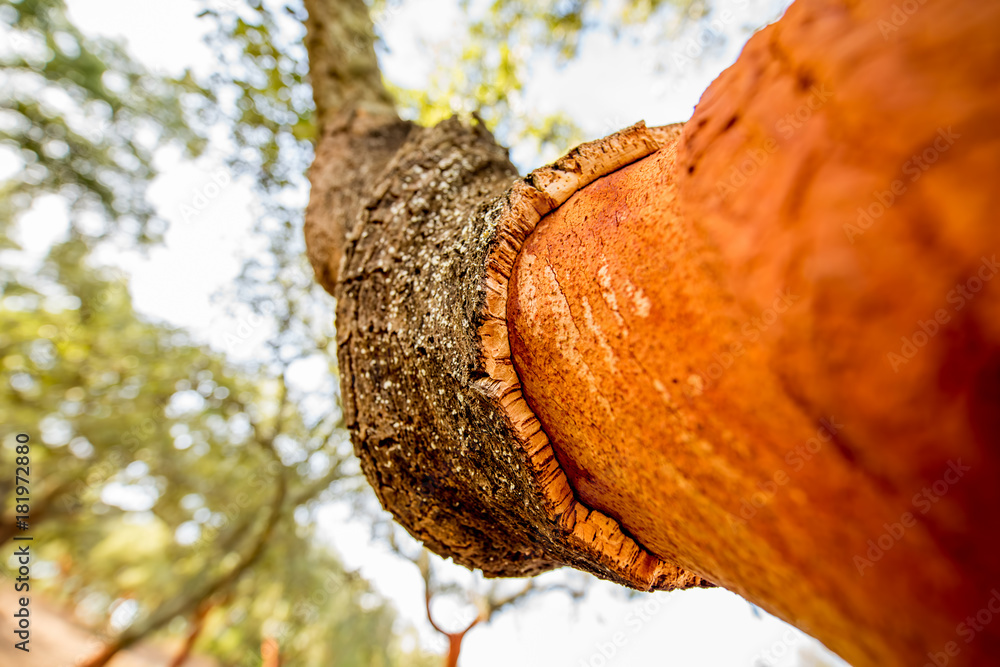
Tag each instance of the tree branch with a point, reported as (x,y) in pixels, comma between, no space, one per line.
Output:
(270,652)
(197,626)
(358,128)
(340,41)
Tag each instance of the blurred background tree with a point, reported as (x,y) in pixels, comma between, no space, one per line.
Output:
(487,71)
(85,119)
(179,488)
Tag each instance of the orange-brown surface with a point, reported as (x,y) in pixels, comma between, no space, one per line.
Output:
(793,398)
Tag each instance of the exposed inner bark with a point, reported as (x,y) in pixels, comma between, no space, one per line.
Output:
(617,309)
(721,380)
(880,199)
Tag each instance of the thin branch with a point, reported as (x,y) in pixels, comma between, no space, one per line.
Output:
(317,487)
(493,605)
(197,626)
(340,40)
(270,652)
(454,638)
(279,418)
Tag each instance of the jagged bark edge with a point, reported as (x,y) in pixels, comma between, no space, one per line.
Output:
(524,205)
(430,401)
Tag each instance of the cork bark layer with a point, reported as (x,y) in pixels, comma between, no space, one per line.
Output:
(772,351)
(430,396)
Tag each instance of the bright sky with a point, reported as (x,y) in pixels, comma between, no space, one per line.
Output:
(609,87)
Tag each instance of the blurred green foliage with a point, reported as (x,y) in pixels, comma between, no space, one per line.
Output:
(84,119)
(488,70)
(157,470)
(166,480)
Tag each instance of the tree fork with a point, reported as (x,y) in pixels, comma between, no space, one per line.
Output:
(705,354)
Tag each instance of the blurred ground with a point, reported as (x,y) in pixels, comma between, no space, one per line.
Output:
(57,640)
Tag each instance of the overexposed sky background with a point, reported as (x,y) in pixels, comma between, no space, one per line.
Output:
(610,86)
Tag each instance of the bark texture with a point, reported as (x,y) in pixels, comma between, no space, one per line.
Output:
(343,68)
(357,126)
(351,155)
(429,392)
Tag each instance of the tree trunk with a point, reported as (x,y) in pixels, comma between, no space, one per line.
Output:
(762,350)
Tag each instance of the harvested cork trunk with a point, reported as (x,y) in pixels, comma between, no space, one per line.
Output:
(761,350)
(429,389)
